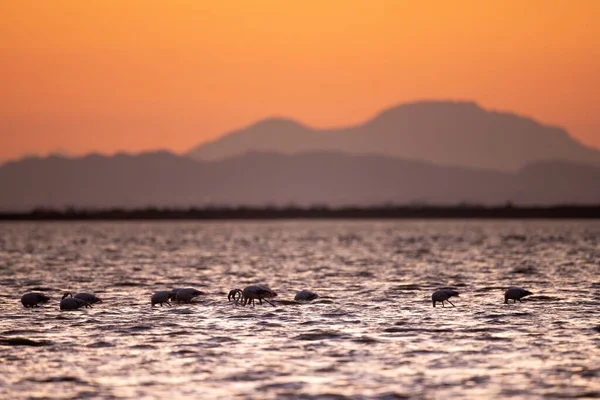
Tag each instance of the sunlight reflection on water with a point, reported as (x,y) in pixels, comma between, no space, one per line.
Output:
(372,334)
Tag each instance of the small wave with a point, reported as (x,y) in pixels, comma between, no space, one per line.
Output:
(143,347)
(91,321)
(516,238)
(288,302)
(335,315)
(525,270)
(331,368)
(409,287)
(589,373)
(322,301)
(56,379)
(319,396)
(183,352)
(476,380)
(364,274)
(490,288)
(19,332)
(129,284)
(41,289)
(492,338)
(383,300)
(396,329)
(365,339)
(180,333)
(264,324)
(283,385)
(4,341)
(393,396)
(242,316)
(519,314)
(319,335)
(100,345)
(183,311)
(222,339)
(140,328)
(68,315)
(478,330)
(582,395)
(249,376)
(543,298)
(490,316)
(424,351)
(310,323)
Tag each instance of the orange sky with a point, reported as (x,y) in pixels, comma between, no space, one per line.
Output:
(111,75)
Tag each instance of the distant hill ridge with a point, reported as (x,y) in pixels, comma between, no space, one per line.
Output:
(449,133)
(163,179)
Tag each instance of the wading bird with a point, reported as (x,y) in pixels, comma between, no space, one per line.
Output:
(515,293)
(186,295)
(252,293)
(306,295)
(71,303)
(33,299)
(443,295)
(235,295)
(88,297)
(162,297)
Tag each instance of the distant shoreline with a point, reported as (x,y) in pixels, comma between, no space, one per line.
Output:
(276,213)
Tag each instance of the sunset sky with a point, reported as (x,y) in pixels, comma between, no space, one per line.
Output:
(113,75)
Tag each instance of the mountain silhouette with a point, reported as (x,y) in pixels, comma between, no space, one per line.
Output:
(441,132)
(163,179)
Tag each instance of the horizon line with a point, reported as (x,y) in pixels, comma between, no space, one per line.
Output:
(385,211)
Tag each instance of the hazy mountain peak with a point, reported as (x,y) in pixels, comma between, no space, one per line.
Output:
(276,123)
(429,110)
(454,133)
(272,134)
(432,105)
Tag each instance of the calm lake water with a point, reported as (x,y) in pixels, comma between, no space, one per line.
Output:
(373,334)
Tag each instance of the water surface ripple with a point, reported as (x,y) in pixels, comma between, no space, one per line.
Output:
(373,334)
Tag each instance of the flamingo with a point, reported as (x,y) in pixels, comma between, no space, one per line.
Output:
(162,297)
(515,293)
(33,299)
(252,293)
(186,295)
(306,295)
(71,303)
(443,295)
(88,297)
